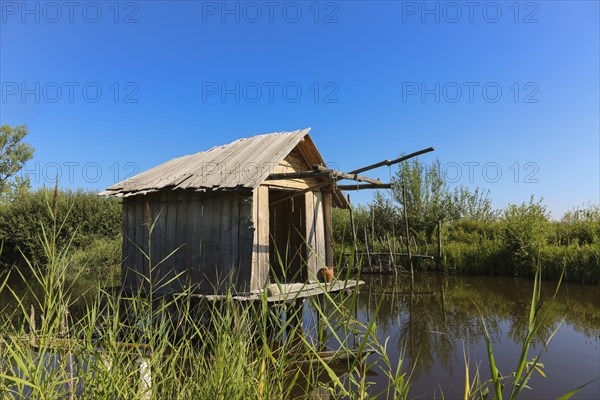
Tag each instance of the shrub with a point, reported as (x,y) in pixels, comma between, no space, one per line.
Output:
(84,216)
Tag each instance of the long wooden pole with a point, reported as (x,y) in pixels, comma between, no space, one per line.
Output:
(439,244)
(392,162)
(407,232)
(339,175)
(353,227)
(364,186)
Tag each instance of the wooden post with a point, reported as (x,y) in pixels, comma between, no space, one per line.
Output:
(32,326)
(145,379)
(391,255)
(407,232)
(367,247)
(327,213)
(353,227)
(373,224)
(439,245)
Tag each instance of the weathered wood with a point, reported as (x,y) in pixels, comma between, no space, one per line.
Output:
(140,272)
(302,192)
(311,237)
(233,257)
(367,248)
(391,162)
(439,244)
(263,218)
(180,257)
(195,212)
(320,230)
(261,264)
(375,254)
(328,229)
(288,293)
(405,206)
(246,232)
(391,253)
(364,186)
(224,244)
(299,175)
(339,175)
(353,227)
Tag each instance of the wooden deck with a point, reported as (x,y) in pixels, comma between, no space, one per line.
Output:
(285,293)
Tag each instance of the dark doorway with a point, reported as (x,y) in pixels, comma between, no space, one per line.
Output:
(287,243)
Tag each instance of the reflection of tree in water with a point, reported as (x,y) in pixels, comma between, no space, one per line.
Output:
(432,324)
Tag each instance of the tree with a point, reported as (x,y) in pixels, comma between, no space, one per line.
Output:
(426,194)
(429,199)
(14,153)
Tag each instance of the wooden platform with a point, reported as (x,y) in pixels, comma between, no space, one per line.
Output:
(285,293)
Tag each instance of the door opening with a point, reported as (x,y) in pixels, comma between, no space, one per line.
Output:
(287,242)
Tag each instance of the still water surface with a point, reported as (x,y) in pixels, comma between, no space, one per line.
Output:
(442,323)
(434,328)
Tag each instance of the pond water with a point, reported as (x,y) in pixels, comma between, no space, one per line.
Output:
(437,327)
(433,329)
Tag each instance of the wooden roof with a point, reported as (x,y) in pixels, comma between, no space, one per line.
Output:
(242,164)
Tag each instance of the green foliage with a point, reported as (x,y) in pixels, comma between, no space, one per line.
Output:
(176,347)
(429,199)
(476,239)
(525,229)
(85,216)
(101,254)
(14,153)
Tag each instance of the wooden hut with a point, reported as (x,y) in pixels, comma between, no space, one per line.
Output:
(240,215)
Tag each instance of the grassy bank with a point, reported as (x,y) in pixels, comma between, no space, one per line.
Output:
(513,243)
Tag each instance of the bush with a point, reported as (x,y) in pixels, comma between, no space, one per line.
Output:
(100,254)
(85,218)
(525,231)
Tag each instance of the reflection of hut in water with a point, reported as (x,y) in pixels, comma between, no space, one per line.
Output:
(243,214)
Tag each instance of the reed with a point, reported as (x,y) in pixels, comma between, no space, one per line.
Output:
(148,347)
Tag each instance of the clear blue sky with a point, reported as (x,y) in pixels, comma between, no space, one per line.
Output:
(376,79)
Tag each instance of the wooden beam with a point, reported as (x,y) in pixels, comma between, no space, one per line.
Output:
(299,175)
(391,162)
(301,192)
(328,229)
(339,175)
(364,186)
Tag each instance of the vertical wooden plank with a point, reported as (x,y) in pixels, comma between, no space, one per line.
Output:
(319,229)
(193,249)
(159,238)
(206,269)
(260,266)
(327,213)
(216,272)
(311,256)
(179,258)
(170,243)
(246,242)
(140,243)
(263,239)
(224,244)
(128,250)
(255,241)
(232,258)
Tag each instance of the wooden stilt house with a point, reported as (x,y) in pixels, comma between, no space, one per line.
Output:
(237,216)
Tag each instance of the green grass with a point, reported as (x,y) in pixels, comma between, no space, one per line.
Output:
(178,347)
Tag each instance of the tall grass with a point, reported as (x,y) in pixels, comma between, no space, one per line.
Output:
(181,346)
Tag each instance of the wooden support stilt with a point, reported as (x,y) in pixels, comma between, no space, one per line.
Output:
(392,255)
(412,275)
(367,248)
(439,245)
(32,326)
(353,227)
